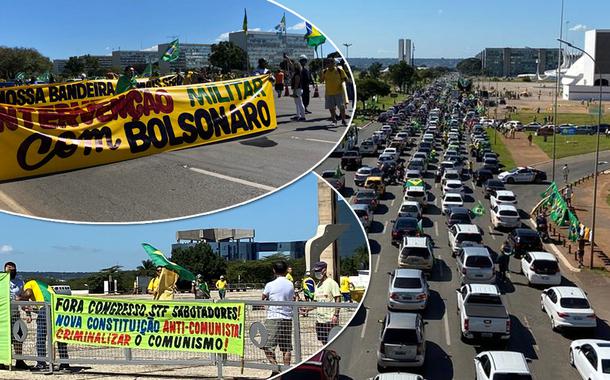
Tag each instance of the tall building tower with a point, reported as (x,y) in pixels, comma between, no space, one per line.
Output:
(408,51)
(401,49)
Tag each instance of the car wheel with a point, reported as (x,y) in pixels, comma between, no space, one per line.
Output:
(510,180)
(571,357)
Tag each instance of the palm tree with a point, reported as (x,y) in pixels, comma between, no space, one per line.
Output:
(146,269)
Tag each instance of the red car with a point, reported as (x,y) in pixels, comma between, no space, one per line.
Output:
(322,366)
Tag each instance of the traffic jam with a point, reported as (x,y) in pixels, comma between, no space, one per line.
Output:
(449,239)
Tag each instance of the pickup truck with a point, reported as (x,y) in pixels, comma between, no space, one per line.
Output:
(482,313)
(351,159)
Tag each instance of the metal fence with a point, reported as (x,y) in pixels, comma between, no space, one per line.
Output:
(302,336)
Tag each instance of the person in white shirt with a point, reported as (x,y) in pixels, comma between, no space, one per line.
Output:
(16,294)
(279,318)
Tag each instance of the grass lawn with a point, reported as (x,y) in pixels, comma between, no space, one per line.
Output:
(385,102)
(503,154)
(359,121)
(562,118)
(571,145)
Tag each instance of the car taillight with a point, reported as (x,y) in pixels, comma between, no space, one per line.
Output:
(508,326)
(563,315)
(466,324)
(592,316)
(419,349)
(422,296)
(394,296)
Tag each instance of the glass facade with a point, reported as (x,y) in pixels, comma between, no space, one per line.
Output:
(271,46)
(508,62)
(123,58)
(353,238)
(192,56)
(240,250)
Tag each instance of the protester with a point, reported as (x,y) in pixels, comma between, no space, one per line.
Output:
(297,93)
(38,291)
(127,81)
(200,288)
(261,69)
(568,195)
(309,287)
(333,78)
(167,285)
(504,260)
(346,288)
(305,81)
(349,84)
(327,290)
(153,284)
(221,285)
(530,137)
(289,275)
(279,318)
(279,82)
(581,251)
(566,172)
(16,294)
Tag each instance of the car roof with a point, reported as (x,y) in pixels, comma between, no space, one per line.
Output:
(374,179)
(453,181)
(478,250)
(365,191)
(397,376)
(483,289)
(410,203)
(416,241)
(525,231)
(467,228)
(452,171)
(360,206)
(569,291)
(402,320)
(404,272)
(541,255)
(508,361)
(506,207)
(504,193)
(459,210)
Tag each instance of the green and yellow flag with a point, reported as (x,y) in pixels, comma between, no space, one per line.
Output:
(42,292)
(5,320)
(159,259)
(313,36)
(173,51)
(478,209)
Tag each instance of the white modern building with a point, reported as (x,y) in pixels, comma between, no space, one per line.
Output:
(581,80)
(271,46)
(405,50)
(192,56)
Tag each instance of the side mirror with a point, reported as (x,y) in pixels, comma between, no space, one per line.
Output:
(390,273)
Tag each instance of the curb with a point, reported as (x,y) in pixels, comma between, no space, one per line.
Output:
(558,253)
(366,125)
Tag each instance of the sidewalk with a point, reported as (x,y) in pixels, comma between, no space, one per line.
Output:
(523,154)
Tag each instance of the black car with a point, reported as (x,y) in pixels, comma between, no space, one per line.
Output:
(459,215)
(351,159)
(522,240)
(492,184)
(404,226)
(481,176)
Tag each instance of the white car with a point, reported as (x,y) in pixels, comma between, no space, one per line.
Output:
(591,358)
(450,174)
(568,306)
(459,233)
(410,208)
(417,194)
(505,216)
(386,159)
(541,268)
(453,186)
(396,376)
(451,200)
(492,365)
(392,152)
(523,175)
(502,197)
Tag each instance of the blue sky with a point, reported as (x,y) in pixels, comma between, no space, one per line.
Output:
(37,245)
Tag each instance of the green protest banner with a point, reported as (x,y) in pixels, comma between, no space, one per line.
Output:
(5,320)
(153,325)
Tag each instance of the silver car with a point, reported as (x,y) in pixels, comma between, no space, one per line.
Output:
(408,290)
(365,215)
(475,266)
(403,341)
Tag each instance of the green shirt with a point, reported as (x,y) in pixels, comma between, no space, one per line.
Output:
(125,84)
(326,292)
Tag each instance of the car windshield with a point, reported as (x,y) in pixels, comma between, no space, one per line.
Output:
(365,195)
(546,266)
(469,237)
(407,283)
(574,303)
(415,193)
(406,223)
(485,299)
(495,184)
(364,171)
(409,208)
(605,365)
(454,185)
(460,218)
(479,262)
(453,199)
(512,376)
(400,336)
(418,252)
(506,198)
(452,176)
(508,213)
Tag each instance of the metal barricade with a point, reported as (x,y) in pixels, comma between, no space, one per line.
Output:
(302,335)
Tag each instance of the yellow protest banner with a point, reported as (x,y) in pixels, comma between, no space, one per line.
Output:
(140,122)
(153,325)
(74,93)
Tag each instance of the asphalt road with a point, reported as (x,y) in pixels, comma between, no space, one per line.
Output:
(182,183)
(447,356)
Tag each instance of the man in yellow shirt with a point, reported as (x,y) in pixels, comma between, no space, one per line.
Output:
(334,78)
(153,284)
(346,288)
(221,285)
(289,275)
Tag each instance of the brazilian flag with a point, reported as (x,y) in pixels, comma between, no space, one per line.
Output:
(478,209)
(41,291)
(173,51)
(160,260)
(313,36)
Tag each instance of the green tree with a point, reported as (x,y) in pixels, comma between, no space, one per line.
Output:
(260,271)
(26,60)
(375,70)
(401,74)
(75,66)
(369,87)
(469,66)
(228,56)
(359,261)
(91,66)
(146,269)
(200,259)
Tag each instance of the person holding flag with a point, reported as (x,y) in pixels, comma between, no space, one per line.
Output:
(478,209)
(127,81)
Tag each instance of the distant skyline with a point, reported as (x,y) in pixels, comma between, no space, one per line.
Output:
(36,245)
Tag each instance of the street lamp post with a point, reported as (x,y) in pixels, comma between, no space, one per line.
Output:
(347,49)
(599,122)
(557,84)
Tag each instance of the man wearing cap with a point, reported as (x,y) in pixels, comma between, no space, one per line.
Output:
(305,81)
(333,78)
(200,288)
(221,285)
(327,290)
(17,293)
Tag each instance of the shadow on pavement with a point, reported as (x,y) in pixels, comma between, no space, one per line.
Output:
(262,142)
(347,192)
(433,210)
(375,247)
(381,209)
(521,339)
(505,285)
(360,316)
(376,227)
(436,307)
(438,365)
(442,272)
(427,222)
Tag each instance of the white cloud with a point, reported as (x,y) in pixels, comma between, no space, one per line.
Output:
(579,28)
(152,48)
(107,48)
(225,36)
(298,26)
(5,248)
(440,11)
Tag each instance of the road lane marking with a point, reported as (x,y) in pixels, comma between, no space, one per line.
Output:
(436,201)
(385,225)
(447,334)
(392,204)
(527,326)
(13,204)
(366,316)
(233,179)
(491,233)
(377,263)
(322,141)
(436,228)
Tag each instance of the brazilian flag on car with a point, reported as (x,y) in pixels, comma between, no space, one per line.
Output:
(478,209)
(414,182)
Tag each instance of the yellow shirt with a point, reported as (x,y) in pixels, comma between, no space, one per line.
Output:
(153,285)
(289,277)
(334,80)
(345,284)
(221,284)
